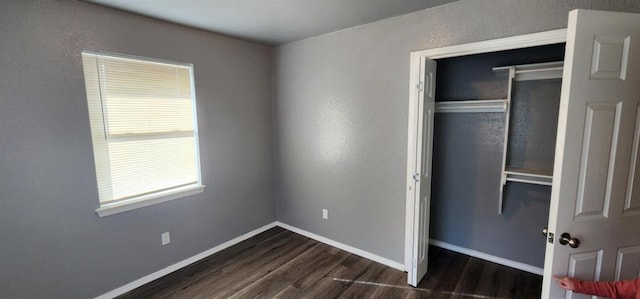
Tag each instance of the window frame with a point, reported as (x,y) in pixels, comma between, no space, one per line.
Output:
(158,195)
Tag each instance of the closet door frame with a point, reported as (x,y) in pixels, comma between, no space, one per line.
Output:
(509,43)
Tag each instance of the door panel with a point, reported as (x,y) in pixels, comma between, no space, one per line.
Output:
(593,196)
(587,265)
(600,136)
(422,188)
(425,179)
(610,57)
(628,263)
(632,198)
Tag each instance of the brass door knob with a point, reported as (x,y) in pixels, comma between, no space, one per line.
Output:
(566,238)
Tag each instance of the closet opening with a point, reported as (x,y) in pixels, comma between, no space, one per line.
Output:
(491,116)
(493,153)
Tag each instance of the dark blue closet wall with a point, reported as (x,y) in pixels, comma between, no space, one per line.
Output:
(468,149)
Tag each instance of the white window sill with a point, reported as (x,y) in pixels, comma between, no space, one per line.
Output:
(148,200)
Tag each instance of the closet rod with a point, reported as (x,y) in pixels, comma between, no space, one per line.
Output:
(475,106)
(535,71)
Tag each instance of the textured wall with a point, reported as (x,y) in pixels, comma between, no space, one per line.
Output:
(341,113)
(52,243)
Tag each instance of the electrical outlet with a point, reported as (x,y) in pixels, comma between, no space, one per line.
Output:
(325,214)
(166,238)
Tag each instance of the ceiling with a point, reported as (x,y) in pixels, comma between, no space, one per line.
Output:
(271,22)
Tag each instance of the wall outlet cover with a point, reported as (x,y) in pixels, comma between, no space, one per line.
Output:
(166,238)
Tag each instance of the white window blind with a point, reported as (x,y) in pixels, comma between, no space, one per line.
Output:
(143,126)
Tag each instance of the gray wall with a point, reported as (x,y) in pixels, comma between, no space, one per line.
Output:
(52,243)
(341,111)
(341,114)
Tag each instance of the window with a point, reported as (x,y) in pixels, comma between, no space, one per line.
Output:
(144,131)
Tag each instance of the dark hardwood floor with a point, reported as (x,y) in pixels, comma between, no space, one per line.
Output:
(282,264)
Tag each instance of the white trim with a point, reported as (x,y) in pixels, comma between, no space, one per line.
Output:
(347,248)
(149,199)
(507,43)
(136,57)
(179,265)
(488,257)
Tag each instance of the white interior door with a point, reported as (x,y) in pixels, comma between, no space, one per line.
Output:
(595,196)
(422,173)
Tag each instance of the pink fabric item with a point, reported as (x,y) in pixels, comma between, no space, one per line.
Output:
(628,289)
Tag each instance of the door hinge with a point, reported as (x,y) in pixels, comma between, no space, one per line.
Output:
(416,177)
(550,237)
(420,86)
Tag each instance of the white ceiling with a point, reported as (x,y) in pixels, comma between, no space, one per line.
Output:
(271,22)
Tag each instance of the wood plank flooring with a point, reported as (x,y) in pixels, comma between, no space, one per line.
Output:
(282,264)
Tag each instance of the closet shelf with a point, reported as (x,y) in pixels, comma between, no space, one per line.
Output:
(536,71)
(474,106)
(524,72)
(530,176)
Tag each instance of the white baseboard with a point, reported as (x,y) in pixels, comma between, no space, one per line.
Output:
(488,257)
(177,266)
(356,251)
